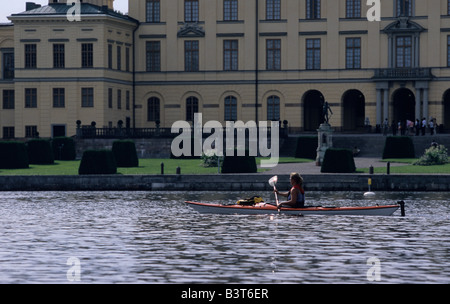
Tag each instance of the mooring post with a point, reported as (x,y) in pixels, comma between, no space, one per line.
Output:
(388,168)
(178,170)
(162,168)
(402,207)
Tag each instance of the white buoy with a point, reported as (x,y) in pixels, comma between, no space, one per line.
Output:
(369,193)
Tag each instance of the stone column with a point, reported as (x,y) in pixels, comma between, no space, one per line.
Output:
(379,107)
(425,104)
(418,99)
(386,104)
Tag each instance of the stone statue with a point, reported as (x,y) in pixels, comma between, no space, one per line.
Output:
(326,109)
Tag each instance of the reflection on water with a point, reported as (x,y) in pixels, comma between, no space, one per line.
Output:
(152,237)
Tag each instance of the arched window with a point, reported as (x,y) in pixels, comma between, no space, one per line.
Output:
(273,108)
(230,108)
(191,108)
(153,109)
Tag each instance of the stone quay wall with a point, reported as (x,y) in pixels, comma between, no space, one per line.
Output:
(223,182)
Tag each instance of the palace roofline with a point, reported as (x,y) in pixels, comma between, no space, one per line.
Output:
(62,9)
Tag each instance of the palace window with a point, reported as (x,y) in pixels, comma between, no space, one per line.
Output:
(153,56)
(30,98)
(313,54)
(31,131)
(127,100)
(8,132)
(127,59)
(273,108)
(273,9)
(313,9)
(30,56)
(230,55)
(273,54)
(59,97)
(110,98)
(87,55)
(119,58)
(191,11)
(353,53)
(8,65)
(191,56)
(110,56)
(404,8)
(230,108)
(353,8)
(8,99)
(404,52)
(153,111)
(87,97)
(153,11)
(230,10)
(191,108)
(119,99)
(448,51)
(59,56)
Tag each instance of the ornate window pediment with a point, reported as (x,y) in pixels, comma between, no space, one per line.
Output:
(403,25)
(404,43)
(189,30)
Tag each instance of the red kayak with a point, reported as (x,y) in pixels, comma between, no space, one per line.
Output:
(265,208)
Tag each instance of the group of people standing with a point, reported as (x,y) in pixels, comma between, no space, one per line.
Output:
(410,127)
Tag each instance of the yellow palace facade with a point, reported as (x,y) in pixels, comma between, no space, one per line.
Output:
(232,60)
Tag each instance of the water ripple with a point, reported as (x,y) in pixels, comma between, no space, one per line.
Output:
(140,237)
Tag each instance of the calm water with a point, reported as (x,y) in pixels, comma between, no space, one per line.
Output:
(141,237)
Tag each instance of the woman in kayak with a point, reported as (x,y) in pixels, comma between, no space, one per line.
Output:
(296,196)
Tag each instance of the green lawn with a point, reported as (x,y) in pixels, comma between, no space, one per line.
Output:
(411,169)
(146,166)
(193,166)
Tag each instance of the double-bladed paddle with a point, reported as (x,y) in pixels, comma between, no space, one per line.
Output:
(272,182)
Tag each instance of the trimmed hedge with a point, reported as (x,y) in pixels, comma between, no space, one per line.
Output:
(306,147)
(338,161)
(97,162)
(64,148)
(399,147)
(40,152)
(13,155)
(239,164)
(125,153)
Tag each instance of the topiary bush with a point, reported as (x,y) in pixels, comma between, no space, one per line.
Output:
(306,147)
(125,153)
(40,152)
(338,161)
(13,155)
(64,148)
(433,156)
(398,147)
(239,164)
(97,162)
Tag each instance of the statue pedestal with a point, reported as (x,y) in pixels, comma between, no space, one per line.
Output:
(325,138)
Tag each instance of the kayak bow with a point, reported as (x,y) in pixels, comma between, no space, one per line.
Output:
(264,208)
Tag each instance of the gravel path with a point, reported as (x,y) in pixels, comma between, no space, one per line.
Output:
(311,168)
